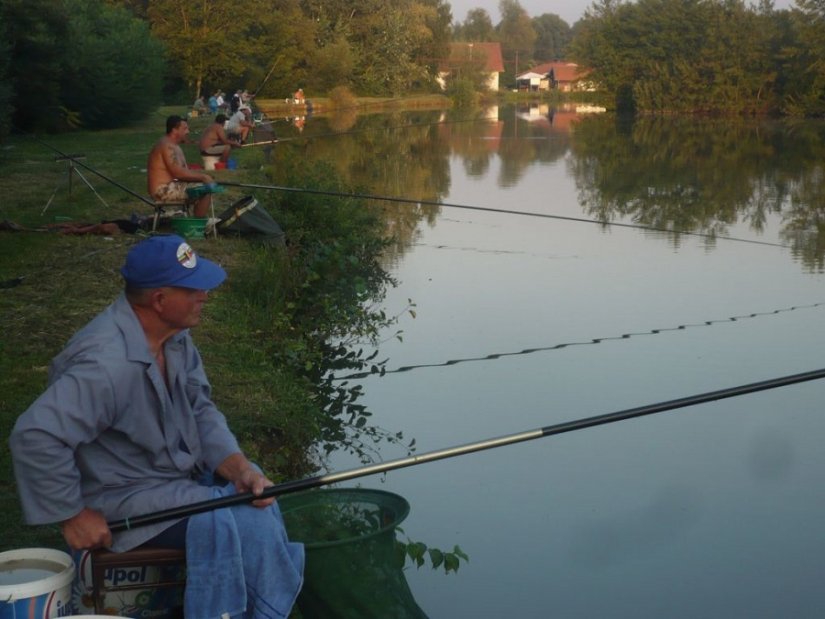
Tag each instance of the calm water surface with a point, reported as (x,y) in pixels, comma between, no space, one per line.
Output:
(709,511)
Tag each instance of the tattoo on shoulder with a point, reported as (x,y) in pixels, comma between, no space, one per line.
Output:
(174,152)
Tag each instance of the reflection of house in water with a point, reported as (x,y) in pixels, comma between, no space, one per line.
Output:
(479,140)
(557,119)
(491,112)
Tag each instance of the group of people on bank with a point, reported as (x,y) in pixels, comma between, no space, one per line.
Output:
(168,174)
(218,102)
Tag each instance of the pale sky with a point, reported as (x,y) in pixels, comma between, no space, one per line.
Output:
(569,10)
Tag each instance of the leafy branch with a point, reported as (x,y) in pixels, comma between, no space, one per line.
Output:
(418,552)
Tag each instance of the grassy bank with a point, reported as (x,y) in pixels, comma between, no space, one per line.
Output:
(282,107)
(260,337)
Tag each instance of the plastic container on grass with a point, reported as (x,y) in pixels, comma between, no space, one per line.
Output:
(189,227)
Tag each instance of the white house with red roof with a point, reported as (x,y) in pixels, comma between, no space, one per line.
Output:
(564,76)
(484,56)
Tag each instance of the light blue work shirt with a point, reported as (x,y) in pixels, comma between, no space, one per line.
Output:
(109,435)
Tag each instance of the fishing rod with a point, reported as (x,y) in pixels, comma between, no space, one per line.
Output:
(451,452)
(366,196)
(262,143)
(75,160)
(266,78)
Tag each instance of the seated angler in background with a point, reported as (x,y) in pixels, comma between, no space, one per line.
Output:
(240,124)
(199,105)
(214,140)
(167,173)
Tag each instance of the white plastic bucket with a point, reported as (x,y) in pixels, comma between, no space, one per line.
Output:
(35,582)
(209,161)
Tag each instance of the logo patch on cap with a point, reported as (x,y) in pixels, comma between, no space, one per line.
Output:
(187,256)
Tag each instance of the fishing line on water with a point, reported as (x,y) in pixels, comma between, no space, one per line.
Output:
(598,340)
(602,222)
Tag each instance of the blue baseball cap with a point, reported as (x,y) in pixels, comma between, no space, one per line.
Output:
(168,260)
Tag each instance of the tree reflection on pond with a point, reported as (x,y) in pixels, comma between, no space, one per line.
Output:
(681,174)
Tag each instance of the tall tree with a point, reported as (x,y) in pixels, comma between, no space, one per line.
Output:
(395,43)
(37,46)
(477,27)
(114,73)
(807,95)
(438,22)
(680,55)
(553,35)
(137,7)
(207,40)
(6,89)
(282,43)
(517,36)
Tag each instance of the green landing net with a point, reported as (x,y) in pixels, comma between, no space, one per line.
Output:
(354,565)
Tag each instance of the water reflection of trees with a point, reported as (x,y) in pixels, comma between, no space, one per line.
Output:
(397,155)
(695,175)
(704,175)
(532,133)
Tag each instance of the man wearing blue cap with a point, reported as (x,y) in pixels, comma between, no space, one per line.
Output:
(127,426)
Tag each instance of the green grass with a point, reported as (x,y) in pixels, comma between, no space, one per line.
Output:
(55,283)
(278,107)
(30,174)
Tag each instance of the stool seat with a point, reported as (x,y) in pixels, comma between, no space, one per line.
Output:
(164,210)
(103,560)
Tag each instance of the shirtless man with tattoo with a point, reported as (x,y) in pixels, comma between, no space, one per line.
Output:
(168,176)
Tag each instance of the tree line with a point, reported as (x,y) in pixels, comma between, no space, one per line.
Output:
(102,63)
(711,56)
(706,56)
(96,62)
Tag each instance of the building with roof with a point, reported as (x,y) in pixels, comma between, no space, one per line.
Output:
(484,57)
(564,76)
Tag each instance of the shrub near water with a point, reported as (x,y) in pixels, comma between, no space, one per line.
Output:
(330,304)
(341,98)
